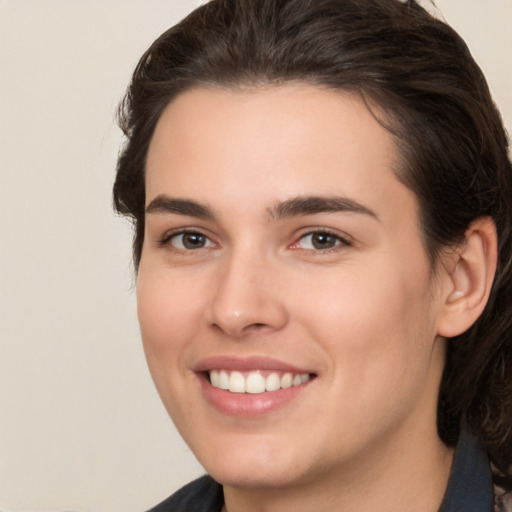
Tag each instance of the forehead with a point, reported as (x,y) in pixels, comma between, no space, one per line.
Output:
(263,145)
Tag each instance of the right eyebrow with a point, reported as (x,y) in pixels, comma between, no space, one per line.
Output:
(166,204)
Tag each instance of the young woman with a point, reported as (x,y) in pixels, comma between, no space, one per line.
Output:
(321,195)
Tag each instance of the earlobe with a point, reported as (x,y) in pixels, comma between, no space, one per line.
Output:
(469,278)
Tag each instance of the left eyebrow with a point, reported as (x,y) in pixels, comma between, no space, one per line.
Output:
(311,205)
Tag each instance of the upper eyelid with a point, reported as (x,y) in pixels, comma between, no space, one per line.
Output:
(168,235)
(343,244)
(345,237)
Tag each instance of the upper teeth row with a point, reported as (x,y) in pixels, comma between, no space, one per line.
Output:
(255,382)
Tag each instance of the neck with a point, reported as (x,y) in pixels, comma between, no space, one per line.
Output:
(408,474)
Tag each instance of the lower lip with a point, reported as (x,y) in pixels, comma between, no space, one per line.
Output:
(247,404)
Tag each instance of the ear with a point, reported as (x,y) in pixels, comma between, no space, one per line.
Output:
(469,274)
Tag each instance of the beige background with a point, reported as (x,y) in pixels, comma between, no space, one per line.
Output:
(81,427)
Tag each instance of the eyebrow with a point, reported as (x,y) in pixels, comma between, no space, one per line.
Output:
(294,207)
(166,204)
(311,205)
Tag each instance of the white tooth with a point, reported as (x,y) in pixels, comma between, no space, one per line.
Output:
(273,382)
(223,380)
(297,380)
(304,377)
(214,378)
(236,383)
(287,381)
(255,383)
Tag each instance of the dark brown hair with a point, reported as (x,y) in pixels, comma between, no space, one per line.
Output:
(435,101)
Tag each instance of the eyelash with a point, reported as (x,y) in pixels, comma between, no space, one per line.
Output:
(340,241)
(166,240)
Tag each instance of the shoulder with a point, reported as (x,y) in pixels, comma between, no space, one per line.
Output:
(502,490)
(201,495)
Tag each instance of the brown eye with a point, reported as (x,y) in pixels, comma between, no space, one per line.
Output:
(190,241)
(320,240)
(323,241)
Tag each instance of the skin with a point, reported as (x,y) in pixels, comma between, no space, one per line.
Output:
(363,315)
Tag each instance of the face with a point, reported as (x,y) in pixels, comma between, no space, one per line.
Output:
(283,261)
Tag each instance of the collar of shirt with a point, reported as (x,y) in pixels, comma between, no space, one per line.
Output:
(470,484)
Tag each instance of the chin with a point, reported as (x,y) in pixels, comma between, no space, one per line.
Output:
(254,475)
(253,463)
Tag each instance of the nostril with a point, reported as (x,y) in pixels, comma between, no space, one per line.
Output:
(256,327)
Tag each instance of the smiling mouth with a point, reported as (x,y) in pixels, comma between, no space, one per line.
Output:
(255,382)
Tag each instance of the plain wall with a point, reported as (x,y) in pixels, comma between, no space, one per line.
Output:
(81,426)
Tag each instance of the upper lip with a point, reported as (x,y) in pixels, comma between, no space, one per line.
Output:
(246,364)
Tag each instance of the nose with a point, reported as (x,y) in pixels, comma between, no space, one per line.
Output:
(247,298)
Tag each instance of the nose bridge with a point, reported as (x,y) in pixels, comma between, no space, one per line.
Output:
(246,295)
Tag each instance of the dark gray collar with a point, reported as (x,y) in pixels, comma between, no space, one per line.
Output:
(470,484)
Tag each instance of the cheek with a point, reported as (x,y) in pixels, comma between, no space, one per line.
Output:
(362,297)
(169,313)
(167,307)
(169,316)
(374,324)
